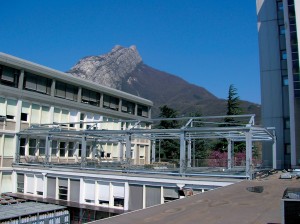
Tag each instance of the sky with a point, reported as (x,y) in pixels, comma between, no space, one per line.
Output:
(210,43)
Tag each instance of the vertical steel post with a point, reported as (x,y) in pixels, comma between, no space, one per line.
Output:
(182,153)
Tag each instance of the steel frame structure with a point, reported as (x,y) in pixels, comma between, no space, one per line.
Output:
(206,127)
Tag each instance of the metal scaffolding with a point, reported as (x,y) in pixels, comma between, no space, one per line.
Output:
(192,128)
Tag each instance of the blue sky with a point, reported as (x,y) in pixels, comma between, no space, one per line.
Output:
(208,43)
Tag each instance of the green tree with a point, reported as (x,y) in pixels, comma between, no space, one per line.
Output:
(233,103)
(169,147)
(233,108)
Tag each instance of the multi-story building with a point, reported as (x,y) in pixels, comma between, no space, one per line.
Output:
(31,94)
(82,118)
(278,29)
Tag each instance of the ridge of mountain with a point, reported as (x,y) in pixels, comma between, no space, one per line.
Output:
(124,69)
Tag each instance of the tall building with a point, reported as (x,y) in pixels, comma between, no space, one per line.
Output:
(278,29)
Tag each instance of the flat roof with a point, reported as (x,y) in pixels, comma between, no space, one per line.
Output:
(25,209)
(19,63)
(230,204)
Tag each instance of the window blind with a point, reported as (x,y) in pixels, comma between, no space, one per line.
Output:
(118,190)
(9,147)
(6,185)
(11,107)
(89,190)
(103,191)
(35,114)
(2,107)
(45,118)
(30,183)
(39,183)
(25,107)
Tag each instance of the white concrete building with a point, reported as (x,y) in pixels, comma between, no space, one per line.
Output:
(31,94)
(278,29)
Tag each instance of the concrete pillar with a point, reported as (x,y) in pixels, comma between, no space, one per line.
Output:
(47,149)
(53,87)
(229,156)
(194,153)
(94,149)
(128,148)
(21,80)
(101,100)
(17,156)
(120,105)
(153,151)
(120,151)
(159,147)
(126,196)
(79,95)
(248,136)
(182,153)
(189,154)
(44,185)
(83,151)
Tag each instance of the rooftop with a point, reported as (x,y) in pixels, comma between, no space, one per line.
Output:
(231,204)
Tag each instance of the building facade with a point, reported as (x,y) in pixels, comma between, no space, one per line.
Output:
(31,94)
(278,29)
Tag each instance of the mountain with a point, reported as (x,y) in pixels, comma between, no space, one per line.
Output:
(124,69)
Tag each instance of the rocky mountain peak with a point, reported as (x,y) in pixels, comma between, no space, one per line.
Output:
(108,69)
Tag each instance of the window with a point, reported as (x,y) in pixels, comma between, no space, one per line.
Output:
(79,150)
(110,102)
(22,146)
(25,111)
(45,115)
(54,148)
(32,147)
(66,91)
(24,117)
(42,145)
(62,149)
(9,76)
(128,107)
(285,81)
(11,109)
(287,123)
(283,55)
(287,149)
(82,116)
(282,30)
(37,83)
(119,202)
(20,183)
(71,149)
(90,97)
(88,151)
(63,189)
(35,114)
(142,111)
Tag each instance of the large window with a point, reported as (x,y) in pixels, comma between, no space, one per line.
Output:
(110,102)
(9,76)
(90,97)
(142,111)
(62,149)
(22,146)
(66,91)
(32,147)
(128,107)
(37,83)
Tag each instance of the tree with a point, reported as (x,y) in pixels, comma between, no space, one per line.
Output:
(232,104)
(169,147)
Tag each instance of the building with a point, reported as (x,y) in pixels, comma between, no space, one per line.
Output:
(31,94)
(278,29)
(50,168)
